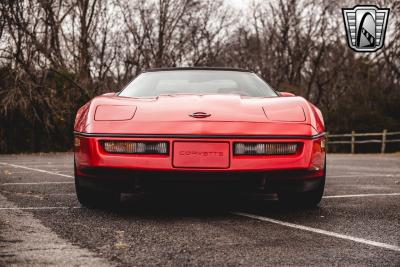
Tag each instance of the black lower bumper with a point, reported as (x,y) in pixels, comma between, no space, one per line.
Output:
(129,181)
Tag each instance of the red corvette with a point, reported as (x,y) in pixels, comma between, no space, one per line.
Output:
(214,126)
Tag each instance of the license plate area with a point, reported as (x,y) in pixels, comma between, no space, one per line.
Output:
(201,155)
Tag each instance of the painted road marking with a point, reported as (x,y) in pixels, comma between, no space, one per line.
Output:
(363,195)
(34,169)
(320,231)
(39,208)
(362,175)
(35,183)
(60,194)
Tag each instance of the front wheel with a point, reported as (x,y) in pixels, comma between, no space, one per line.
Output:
(304,199)
(95,198)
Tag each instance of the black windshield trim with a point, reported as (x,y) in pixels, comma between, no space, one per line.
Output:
(197,68)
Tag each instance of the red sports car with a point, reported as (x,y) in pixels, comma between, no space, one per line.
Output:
(215,126)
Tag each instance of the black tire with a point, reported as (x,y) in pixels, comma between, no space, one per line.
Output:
(308,199)
(94,198)
(305,199)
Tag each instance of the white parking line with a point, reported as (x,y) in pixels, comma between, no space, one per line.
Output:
(35,183)
(61,194)
(363,195)
(34,169)
(362,175)
(320,231)
(39,208)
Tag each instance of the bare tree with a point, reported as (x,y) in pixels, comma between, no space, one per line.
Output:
(55,55)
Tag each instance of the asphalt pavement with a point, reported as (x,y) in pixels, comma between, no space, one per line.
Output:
(356,224)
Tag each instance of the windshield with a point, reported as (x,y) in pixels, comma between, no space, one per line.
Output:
(151,84)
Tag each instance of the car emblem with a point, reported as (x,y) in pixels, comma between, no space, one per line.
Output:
(199,115)
(365,27)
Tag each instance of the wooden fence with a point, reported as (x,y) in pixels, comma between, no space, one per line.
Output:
(383,139)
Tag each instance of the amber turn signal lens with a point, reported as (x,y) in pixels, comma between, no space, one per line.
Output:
(77,142)
(323,144)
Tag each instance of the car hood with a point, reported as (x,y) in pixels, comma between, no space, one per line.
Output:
(224,114)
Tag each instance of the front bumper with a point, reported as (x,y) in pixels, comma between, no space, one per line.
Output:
(91,153)
(127,172)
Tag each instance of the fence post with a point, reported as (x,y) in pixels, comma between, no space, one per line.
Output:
(353,139)
(326,141)
(383,141)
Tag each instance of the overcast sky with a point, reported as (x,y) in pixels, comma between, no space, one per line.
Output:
(239,3)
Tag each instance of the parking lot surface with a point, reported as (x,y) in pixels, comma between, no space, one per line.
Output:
(356,224)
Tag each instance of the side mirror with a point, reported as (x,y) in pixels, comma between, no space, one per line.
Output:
(286,94)
(109,94)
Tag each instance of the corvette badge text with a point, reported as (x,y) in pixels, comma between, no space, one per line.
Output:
(201,153)
(365,27)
